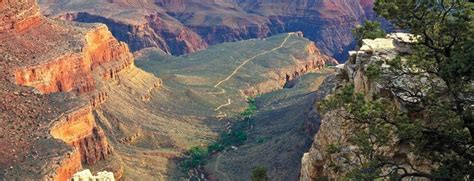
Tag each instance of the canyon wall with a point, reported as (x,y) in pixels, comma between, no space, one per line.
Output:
(22,17)
(181,27)
(61,65)
(73,71)
(140,24)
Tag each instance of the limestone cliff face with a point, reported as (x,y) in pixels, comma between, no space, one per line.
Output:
(69,167)
(318,162)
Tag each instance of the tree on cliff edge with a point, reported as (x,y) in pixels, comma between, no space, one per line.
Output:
(441,128)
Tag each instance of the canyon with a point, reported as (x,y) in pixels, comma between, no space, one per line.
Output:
(74,97)
(181,27)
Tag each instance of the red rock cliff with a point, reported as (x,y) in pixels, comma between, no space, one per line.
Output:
(24,15)
(79,130)
(73,71)
(54,56)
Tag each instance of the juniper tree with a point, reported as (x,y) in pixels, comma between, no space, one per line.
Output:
(440,127)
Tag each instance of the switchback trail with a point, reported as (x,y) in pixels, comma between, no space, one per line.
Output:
(223,91)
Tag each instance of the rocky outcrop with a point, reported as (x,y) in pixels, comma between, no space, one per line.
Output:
(87,175)
(79,130)
(318,162)
(23,16)
(68,167)
(73,71)
(312,60)
(180,27)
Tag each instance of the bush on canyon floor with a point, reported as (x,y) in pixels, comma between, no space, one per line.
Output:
(251,109)
(196,156)
(259,173)
(236,136)
(440,128)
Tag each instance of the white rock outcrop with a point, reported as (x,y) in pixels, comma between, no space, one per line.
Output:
(86,175)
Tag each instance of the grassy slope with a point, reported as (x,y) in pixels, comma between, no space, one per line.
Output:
(149,134)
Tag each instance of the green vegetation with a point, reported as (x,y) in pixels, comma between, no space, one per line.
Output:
(440,127)
(197,156)
(370,30)
(251,109)
(259,173)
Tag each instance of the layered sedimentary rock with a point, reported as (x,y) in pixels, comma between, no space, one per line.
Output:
(141,24)
(180,27)
(67,85)
(25,15)
(52,136)
(79,129)
(318,162)
(54,71)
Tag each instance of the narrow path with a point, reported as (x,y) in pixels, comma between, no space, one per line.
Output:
(251,58)
(229,101)
(239,67)
(221,114)
(216,167)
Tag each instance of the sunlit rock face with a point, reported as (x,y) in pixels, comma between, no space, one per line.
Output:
(50,86)
(18,15)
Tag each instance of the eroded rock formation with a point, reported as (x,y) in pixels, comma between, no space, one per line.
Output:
(311,60)
(141,24)
(180,27)
(52,136)
(25,15)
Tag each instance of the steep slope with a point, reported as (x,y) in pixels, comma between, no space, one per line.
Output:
(190,25)
(50,130)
